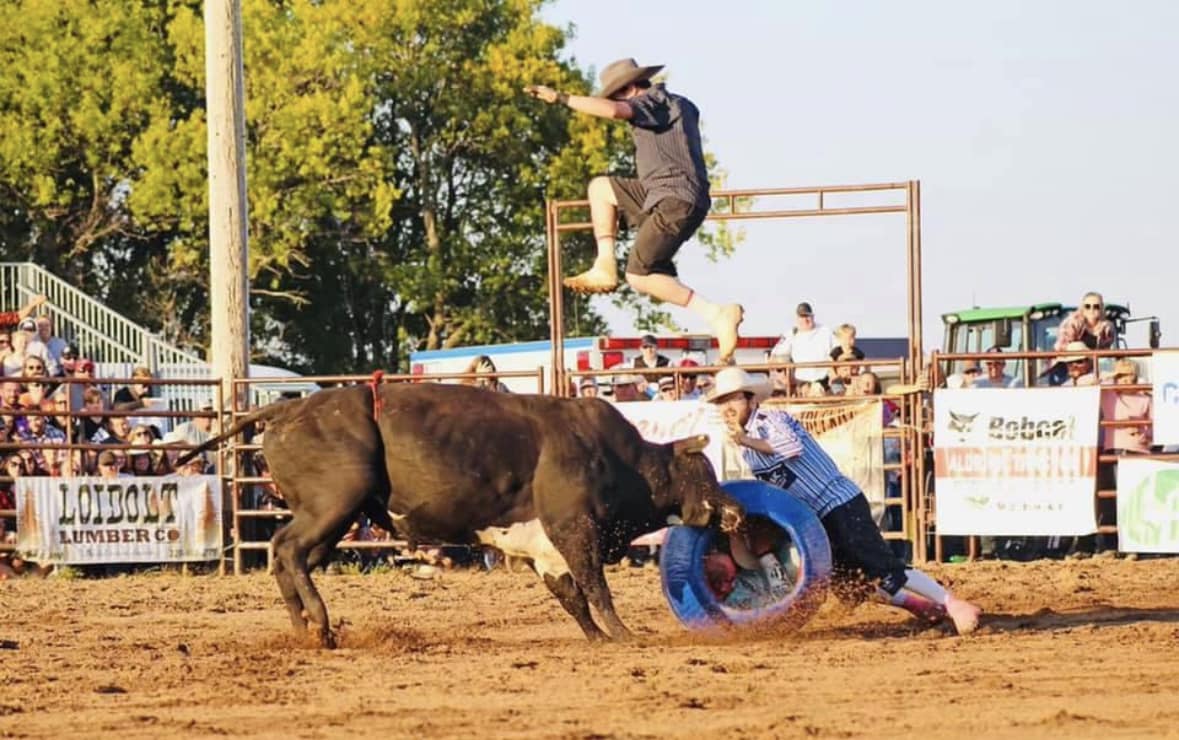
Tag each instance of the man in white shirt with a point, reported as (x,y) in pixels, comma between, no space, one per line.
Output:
(808,342)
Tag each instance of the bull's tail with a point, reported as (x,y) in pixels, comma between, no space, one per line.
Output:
(264,413)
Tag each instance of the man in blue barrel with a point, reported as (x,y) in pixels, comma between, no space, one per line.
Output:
(780,451)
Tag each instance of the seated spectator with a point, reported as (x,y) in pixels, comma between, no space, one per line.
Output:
(687,381)
(667,389)
(135,395)
(1079,366)
(69,358)
(44,344)
(483,366)
(116,431)
(704,383)
(807,342)
(588,388)
(110,465)
(24,349)
(845,373)
(1125,406)
(847,349)
(971,373)
(629,388)
(93,402)
(649,358)
(142,464)
(996,377)
(197,430)
(40,432)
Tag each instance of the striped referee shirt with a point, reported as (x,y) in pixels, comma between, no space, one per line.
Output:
(798,464)
(668,152)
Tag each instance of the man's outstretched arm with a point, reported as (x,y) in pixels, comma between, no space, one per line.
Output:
(600,107)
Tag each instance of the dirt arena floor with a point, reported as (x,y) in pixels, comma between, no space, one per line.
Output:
(1069,649)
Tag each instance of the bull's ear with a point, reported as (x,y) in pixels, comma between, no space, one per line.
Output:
(689,445)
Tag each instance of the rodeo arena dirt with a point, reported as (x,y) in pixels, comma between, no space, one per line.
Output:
(144,604)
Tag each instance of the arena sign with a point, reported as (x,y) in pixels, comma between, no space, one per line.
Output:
(1148,506)
(1016,461)
(1164,371)
(81,521)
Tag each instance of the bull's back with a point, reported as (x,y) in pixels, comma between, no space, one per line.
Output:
(460,458)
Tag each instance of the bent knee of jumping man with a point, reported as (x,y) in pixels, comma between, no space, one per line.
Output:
(601,190)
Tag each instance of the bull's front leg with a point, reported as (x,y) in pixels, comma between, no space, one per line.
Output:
(566,590)
(580,545)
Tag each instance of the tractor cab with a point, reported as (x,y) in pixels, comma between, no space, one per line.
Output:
(1025,329)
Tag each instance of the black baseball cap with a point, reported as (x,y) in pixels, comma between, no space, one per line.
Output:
(804,309)
(648,340)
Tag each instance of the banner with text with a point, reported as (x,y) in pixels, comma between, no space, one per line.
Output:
(1164,373)
(850,432)
(1011,461)
(1148,505)
(667,421)
(80,521)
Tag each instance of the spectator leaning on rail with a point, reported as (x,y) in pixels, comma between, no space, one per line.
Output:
(649,358)
(667,202)
(1126,406)
(779,450)
(1087,325)
(1078,365)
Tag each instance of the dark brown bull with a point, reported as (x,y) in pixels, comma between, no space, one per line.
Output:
(462,465)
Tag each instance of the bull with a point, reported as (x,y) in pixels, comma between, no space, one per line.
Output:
(566,483)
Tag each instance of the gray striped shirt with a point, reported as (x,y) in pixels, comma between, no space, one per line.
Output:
(668,152)
(798,464)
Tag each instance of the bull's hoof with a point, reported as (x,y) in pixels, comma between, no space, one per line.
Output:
(329,640)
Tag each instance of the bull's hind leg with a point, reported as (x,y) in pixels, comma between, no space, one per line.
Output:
(286,587)
(295,546)
(571,597)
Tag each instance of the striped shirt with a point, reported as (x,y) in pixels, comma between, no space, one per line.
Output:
(798,464)
(668,152)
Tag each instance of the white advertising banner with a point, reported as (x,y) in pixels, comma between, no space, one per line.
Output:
(1013,461)
(1165,376)
(80,521)
(1148,505)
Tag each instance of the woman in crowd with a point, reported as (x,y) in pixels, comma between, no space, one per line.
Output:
(483,366)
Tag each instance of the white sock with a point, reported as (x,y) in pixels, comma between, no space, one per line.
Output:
(923,585)
(703,308)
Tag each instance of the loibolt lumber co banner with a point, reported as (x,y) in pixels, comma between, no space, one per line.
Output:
(1016,461)
(81,521)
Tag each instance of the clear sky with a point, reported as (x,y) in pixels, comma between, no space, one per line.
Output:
(1045,135)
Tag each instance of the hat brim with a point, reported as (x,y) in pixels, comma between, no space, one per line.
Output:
(761,390)
(635,75)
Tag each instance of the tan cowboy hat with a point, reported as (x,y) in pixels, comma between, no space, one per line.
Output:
(621,73)
(1072,349)
(735,380)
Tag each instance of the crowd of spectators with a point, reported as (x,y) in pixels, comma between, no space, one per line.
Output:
(56,418)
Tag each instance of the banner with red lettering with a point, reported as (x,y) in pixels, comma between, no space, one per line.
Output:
(81,521)
(1014,461)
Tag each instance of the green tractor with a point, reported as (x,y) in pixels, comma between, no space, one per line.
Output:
(1027,329)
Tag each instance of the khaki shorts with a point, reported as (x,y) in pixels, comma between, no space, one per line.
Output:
(661,231)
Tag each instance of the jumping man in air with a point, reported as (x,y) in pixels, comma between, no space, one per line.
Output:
(667,202)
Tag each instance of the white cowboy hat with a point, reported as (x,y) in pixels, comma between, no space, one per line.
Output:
(623,72)
(735,380)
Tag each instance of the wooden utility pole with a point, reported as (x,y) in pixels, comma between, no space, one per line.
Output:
(228,250)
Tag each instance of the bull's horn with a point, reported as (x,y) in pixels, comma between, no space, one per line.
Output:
(689,445)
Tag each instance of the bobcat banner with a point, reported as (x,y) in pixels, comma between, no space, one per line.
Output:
(81,521)
(1014,461)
